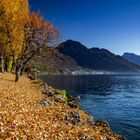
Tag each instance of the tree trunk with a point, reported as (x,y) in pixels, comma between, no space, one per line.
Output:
(13,67)
(18,71)
(22,70)
(2,64)
(6,64)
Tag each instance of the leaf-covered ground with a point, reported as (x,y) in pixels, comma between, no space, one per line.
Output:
(23,117)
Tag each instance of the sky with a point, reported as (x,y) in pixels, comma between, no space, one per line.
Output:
(110,24)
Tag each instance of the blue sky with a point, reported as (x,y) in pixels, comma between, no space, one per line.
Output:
(110,24)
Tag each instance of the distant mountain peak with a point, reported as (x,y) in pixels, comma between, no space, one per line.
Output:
(70,40)
(71,44)
(132,57)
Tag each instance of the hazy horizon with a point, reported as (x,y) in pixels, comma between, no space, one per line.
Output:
(109,24)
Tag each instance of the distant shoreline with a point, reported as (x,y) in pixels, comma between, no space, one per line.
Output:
(89,73)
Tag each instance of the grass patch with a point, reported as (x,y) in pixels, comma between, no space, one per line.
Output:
(64,94)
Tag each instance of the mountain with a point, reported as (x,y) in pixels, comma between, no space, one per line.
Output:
(132,57)
(96,58)
(52,61)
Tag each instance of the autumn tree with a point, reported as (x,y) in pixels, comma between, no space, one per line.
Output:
(23,34)
(11,13)
(2,36)
(39,34)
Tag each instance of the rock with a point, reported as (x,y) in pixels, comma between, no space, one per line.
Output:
(102,123)
(91,121)
(48,91)
(72,103)
(59,98)
(78,97)
(31,73)
(46,102)
(85,137)
(31,77)
(73,118)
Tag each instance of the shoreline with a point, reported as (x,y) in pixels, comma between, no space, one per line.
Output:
(102,122)
(67,120)
(115,74)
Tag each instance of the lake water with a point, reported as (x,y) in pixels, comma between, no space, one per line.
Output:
(112,98)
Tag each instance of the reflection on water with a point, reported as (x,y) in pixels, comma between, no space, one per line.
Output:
(113,98)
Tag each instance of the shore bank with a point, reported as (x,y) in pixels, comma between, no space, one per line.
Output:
(33,110)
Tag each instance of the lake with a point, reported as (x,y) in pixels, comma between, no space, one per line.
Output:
(106,97)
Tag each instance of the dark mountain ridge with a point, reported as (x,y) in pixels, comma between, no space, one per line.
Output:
(132,57)
(96,58)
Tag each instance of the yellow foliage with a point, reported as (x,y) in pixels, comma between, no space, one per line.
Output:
(12,20)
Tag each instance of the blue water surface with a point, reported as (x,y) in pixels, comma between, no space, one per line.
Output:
(115,98)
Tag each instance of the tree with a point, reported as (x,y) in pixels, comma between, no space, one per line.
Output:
(39,34)
(11,15)
(1,39)
(23,34)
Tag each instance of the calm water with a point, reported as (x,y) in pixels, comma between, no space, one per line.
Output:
(112,98)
